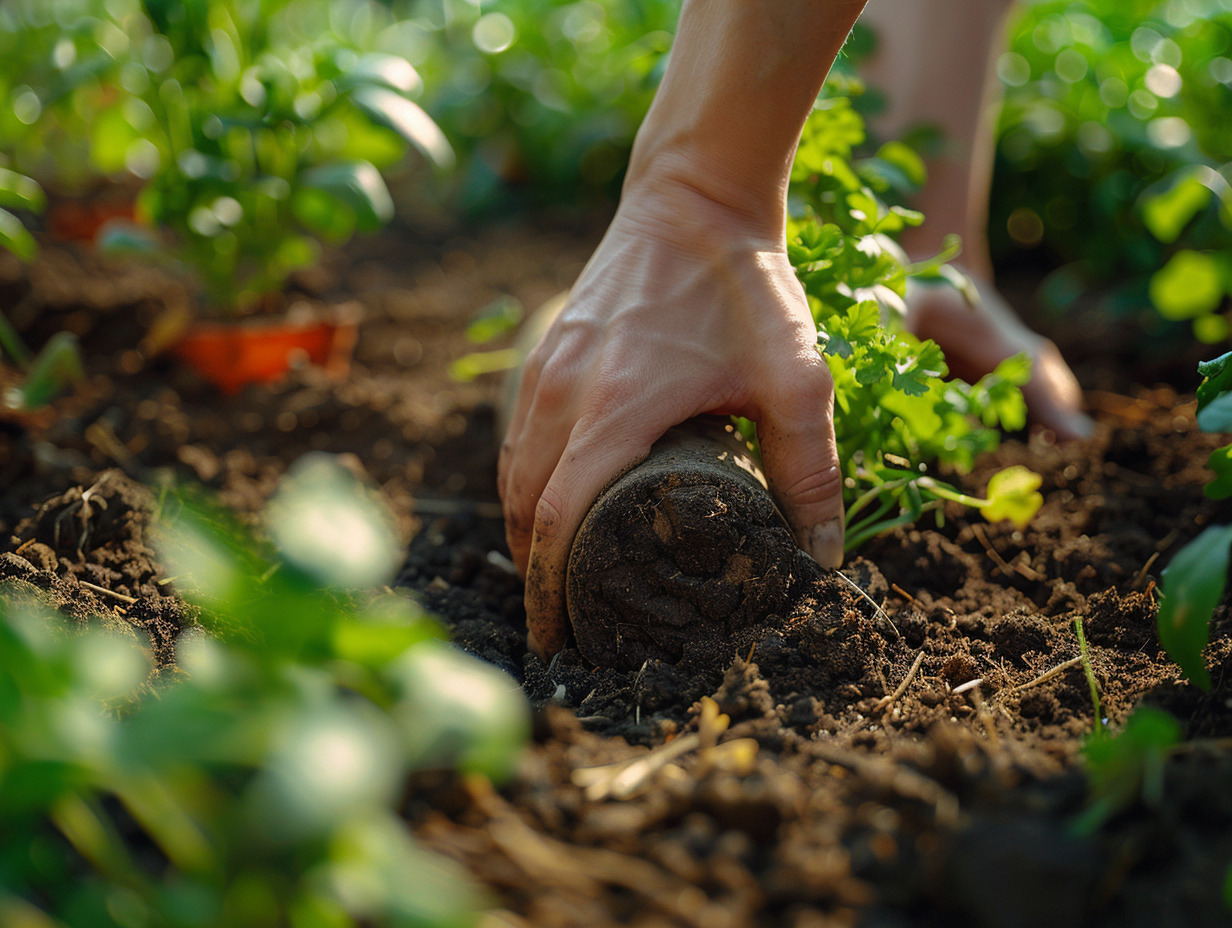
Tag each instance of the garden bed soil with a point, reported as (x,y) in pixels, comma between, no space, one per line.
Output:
(905,739)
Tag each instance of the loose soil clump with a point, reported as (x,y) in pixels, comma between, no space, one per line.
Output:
(904,741)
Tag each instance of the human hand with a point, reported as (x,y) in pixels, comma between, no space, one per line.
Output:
(685,309)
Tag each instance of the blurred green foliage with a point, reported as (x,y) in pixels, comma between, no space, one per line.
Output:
(541,97)
(259,786)
(1115,153)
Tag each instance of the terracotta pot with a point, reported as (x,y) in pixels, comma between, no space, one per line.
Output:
(234,354)
(82,220)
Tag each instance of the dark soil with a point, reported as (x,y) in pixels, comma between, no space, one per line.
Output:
(904,745)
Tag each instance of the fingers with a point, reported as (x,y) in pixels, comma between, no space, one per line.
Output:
(1054,397)
(586,467)
(801,462)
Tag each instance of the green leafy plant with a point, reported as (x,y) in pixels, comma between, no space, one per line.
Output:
(259,785)
(1194,582)
(896,413)
(262,128)
(543,97)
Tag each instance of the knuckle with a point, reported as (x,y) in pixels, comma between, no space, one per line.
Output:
(549,515)
(818,485)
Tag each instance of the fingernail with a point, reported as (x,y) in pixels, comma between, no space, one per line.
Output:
(825,543)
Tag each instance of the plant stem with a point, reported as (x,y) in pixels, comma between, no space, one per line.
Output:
(1089,671)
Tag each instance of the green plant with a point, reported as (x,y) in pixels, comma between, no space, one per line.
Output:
(258,786)
(1194,582)
(262,127)
(543,97)
(1114,153)
(896,413)
(60,65)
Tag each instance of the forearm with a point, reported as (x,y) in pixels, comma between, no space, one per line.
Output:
(740,83)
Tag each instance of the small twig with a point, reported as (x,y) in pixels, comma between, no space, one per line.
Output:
(1006,567)
(1140,576)
(1043,677)
(886,701)
(124,598)
(879,613)
(969,685)
(905,595)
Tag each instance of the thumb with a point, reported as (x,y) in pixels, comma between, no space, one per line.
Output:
(801,462)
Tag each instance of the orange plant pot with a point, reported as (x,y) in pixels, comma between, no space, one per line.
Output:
(82,220)
(234,355)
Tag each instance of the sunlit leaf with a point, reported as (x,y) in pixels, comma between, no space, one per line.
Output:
(1220,461)
(1190,284)
(15,237)
(325,523)
(459,711)
(1013,494)
(358,186)
(20,192)
(381,69)
(478,363)
(409,120)
(1193,585)
(1166,214)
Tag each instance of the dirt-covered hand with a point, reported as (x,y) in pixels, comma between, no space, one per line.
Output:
(682,311)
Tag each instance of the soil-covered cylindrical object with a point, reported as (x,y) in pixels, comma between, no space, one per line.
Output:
(684,556)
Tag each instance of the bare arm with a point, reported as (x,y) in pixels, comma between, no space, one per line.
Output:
(689,305)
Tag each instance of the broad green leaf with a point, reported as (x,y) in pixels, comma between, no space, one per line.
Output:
(459,711)
(357,185)
(20,192)
(1193,585)
(496,319)
(1190,284)
(1013,494)
(15,237)
(1216,415)
(408,120)
(1167,213)
(1220,461)
(391,71)
(326,524)
(1216,378)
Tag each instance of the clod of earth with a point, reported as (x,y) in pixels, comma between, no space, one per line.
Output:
(684,556)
